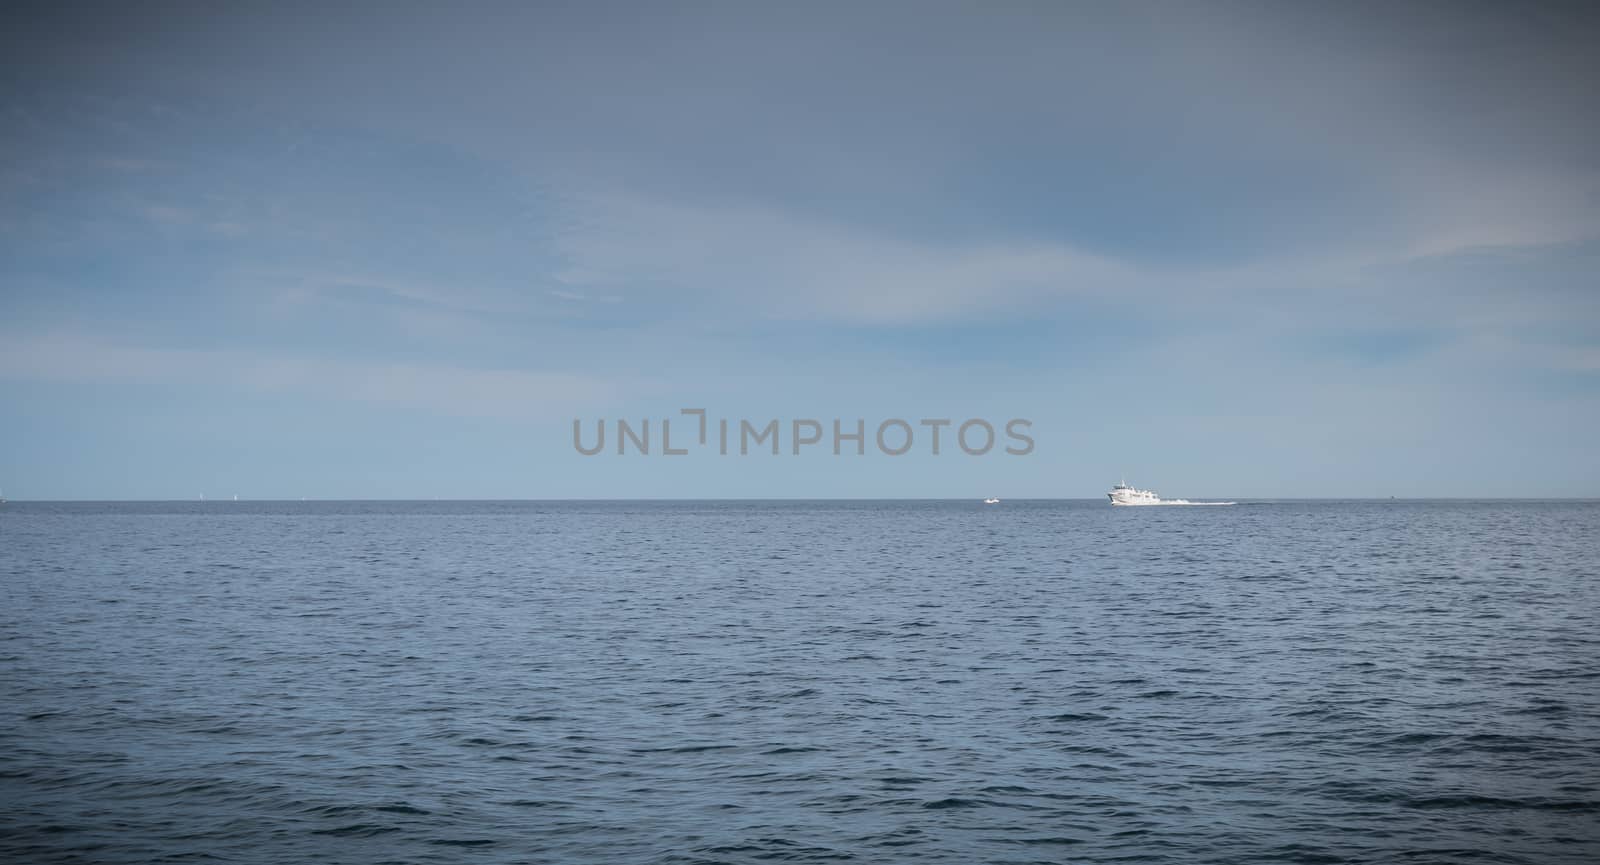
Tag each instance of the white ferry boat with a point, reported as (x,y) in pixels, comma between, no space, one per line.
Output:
(1122,494)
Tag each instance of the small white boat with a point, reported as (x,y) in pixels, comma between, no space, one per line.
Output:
(991,501)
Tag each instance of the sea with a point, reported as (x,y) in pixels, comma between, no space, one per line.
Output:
(800,681)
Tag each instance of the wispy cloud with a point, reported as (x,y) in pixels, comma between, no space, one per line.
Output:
(737,261)
(443,389)
(768,263)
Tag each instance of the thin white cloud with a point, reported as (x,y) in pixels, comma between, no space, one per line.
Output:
(773,264)
(443,389)
(736,262)
(1461,209)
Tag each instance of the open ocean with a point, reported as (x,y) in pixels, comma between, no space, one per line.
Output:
(743,682)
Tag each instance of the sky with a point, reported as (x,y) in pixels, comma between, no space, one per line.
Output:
(395,250)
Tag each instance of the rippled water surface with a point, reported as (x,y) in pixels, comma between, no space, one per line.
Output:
(753,682)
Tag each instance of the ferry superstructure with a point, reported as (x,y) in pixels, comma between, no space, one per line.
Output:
(1122,494)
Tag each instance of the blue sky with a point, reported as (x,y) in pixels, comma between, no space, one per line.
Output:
(393,250)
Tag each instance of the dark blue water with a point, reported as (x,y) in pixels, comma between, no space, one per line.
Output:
(755,682)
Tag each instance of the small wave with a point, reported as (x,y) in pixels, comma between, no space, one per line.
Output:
(1471,802)
(402,808)
(955,802)
(357,830)
(684,749)
(1544,709)
(1415,738)
(777,848)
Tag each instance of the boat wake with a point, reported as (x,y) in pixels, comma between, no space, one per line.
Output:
(1166,502)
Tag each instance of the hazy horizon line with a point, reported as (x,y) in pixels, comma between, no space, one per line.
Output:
(1251,499)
